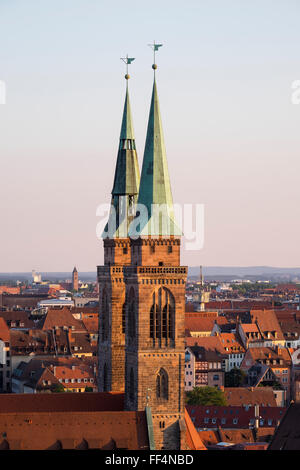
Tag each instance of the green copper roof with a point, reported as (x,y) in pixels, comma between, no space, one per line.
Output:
(150,428)
(155,187)
(127,127)
(127,175)
(127,179)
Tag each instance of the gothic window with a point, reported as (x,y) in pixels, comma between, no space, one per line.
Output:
(162,317)
(162,386)
(105,315)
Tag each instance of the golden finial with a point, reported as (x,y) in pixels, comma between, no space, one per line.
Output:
(127,61)
(155,48)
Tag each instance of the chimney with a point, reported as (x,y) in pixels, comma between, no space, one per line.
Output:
(256,411)
(70,337)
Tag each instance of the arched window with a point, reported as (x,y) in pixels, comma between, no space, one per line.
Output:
(105,316)
(162,317)
(162,385)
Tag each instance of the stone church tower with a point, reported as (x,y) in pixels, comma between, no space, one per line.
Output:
(142,288)
(155,299)
(75,279)
(117,254)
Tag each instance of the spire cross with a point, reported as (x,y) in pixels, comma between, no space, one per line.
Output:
(155,48)
(127,60)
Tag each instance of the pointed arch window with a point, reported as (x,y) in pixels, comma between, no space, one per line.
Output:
(162,385)
(162,318)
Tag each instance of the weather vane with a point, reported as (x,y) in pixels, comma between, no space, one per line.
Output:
(155,48)
(127,60)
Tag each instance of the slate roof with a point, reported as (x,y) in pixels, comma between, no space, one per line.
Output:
(287,436)
(233,417)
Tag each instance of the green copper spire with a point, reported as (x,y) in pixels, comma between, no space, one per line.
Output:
(127,177)
(127,170)
(155,188)
(127,127)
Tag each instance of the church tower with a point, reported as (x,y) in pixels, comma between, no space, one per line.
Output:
(155,297)
(117,253)
(75,279)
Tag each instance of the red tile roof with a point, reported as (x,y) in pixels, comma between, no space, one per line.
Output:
(61,402)
(209,343)
(195,323)
(239,396)
(62,317)
(4,331)
(193,439)
(79,429)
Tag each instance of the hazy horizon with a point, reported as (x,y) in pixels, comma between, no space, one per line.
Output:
(224,77)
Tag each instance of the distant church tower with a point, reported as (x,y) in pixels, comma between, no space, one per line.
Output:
(155,299)
(75,279)
(117,253)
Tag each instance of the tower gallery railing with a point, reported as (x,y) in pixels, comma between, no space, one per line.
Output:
(132,270)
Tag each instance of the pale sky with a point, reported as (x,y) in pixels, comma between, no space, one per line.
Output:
(232,134)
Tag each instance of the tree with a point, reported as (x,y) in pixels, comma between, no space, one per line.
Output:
(274,384)
(235,378)
(206,396)
(57,388)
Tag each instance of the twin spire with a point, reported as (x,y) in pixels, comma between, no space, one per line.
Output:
(130,192)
